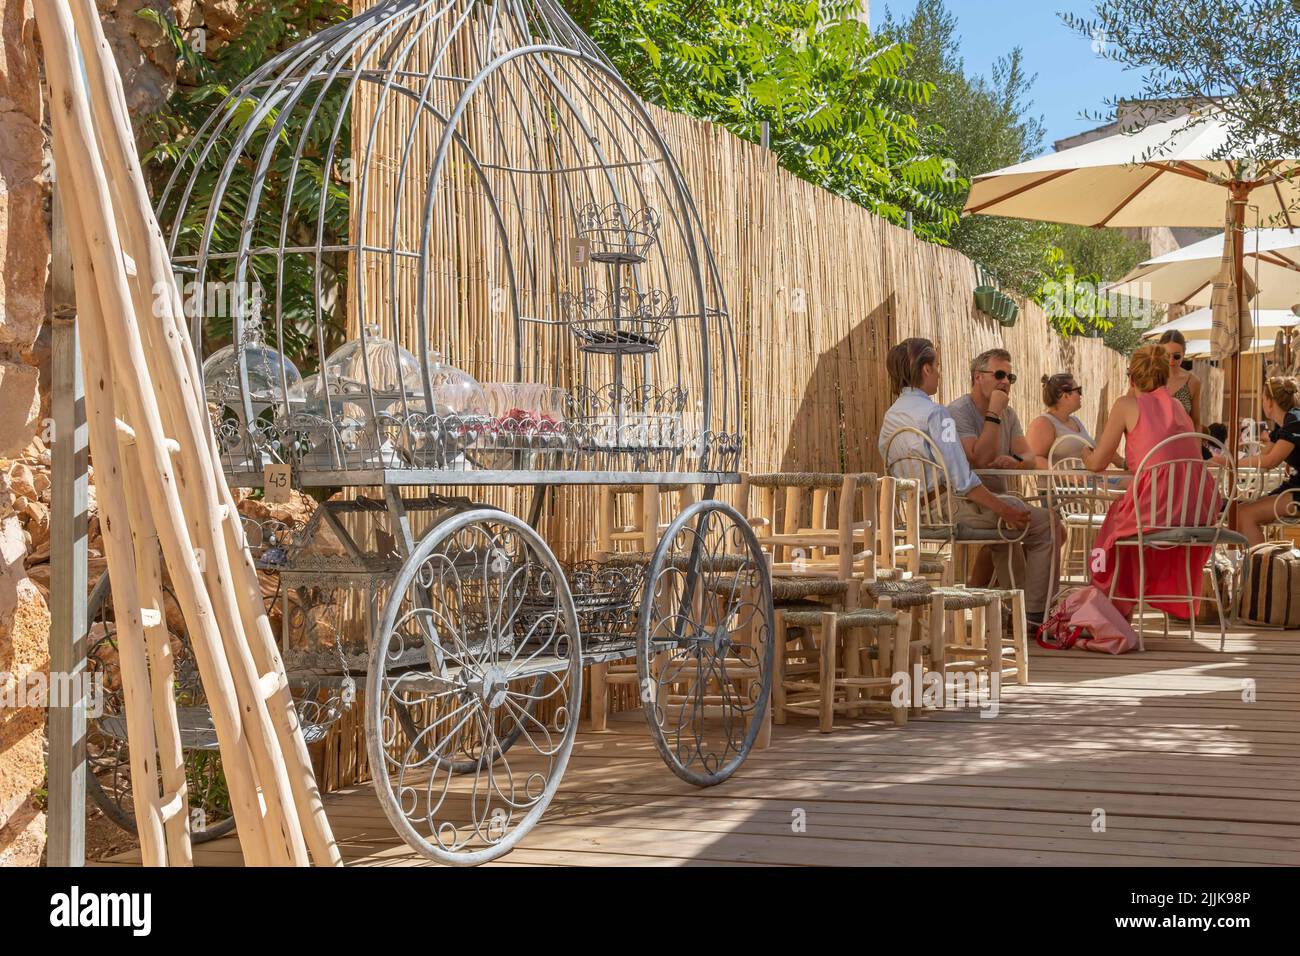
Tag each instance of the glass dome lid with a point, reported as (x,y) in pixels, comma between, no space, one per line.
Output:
(268,373)
(392,369)
(455,389)
(309,397)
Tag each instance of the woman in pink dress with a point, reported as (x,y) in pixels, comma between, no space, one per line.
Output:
(1143,418)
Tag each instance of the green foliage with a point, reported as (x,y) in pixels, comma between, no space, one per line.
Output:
(1108,253)
(982,124)
(314,197)
(1239,54)
(1076,304)
(839,109)
(986,123)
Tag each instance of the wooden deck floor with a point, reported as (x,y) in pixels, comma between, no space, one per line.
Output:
(1185,771)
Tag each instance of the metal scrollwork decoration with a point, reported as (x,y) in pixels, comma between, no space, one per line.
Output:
(473,688)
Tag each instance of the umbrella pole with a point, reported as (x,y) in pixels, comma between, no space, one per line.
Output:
(1240,194)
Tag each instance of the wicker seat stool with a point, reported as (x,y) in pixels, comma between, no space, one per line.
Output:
(1017,665)
(971,642)
(813,676)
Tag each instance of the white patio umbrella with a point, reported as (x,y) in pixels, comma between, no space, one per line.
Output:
(1186,276)
(1200,348)
(1200,323)
(1165,174)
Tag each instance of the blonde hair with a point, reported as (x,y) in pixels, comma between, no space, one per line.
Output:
(1283,391)
(1148,368)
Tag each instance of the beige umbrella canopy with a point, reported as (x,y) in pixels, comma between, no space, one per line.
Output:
(1186,276)
(1198,324)
(1166,174)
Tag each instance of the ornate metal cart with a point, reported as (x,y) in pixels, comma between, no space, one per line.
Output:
(472,182)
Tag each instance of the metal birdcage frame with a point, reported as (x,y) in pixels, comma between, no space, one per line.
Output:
(495,156)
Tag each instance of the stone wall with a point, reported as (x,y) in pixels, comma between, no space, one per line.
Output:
(24,266)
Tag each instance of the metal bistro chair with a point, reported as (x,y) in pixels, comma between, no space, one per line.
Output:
(1188,509)
(1074,495)
(912,454)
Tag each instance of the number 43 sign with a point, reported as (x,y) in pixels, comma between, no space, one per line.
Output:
(275,484)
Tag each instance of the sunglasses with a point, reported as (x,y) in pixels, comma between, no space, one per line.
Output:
(1000,375)
(1074,388)
(1175,357)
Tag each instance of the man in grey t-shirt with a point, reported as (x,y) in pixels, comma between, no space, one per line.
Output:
(1000,432)
(991,434)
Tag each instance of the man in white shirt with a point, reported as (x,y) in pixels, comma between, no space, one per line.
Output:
(914,375)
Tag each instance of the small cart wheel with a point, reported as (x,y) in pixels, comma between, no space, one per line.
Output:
(705,646)
(473,688)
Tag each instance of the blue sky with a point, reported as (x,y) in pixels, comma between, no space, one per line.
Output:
(1071,78)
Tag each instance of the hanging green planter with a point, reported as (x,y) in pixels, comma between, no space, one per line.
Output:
(1000,302)
(1010,312)
(985,298)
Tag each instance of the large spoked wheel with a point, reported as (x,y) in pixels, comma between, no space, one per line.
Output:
(705,645)
(473,688)
(108,758)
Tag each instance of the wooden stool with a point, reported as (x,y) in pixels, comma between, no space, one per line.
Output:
(816,678)
(970,631)
(631,536)
(1018,665)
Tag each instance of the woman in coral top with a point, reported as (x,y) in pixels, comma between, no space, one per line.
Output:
(1143,418)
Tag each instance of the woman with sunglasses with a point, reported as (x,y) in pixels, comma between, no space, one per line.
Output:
(1063,396)
(1183,385)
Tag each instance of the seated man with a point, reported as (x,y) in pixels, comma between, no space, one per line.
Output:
(914,375)
(991,436)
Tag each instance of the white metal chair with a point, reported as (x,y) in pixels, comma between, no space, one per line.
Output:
(1079,502)
(912,454)
(1187,509)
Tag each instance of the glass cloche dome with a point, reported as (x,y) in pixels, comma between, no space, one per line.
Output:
(265,368)
(392,369)
(455,392)
(455,389)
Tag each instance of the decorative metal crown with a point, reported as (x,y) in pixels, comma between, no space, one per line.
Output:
(592,305)
(618,232)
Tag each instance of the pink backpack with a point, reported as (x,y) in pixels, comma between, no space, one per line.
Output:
(1087,617)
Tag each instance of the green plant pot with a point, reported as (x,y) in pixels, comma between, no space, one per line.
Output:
(1000,303)
(1010,314)
(985,297)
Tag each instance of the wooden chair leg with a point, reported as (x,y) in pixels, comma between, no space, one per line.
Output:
(902,639)
(938,639)
(853,666)
(993,646)
(1020,634)
(829,638)
(599,698)
(778,669)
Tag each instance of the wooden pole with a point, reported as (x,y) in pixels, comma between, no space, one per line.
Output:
(162,670)
(284,751)
(66,842)
(122,347)
(1240,194)
(116,526)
